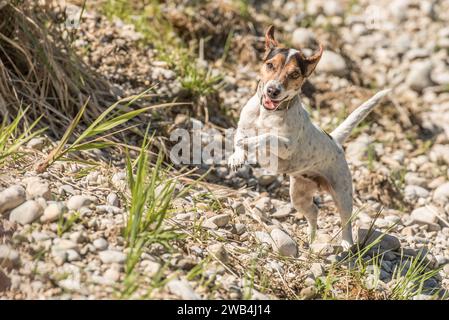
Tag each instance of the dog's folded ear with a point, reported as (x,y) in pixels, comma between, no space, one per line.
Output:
(312,61)
(270,42)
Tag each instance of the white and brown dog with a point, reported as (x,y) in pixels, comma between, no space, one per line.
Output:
(312,158)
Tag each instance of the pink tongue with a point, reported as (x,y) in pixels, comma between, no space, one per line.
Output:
(269,104)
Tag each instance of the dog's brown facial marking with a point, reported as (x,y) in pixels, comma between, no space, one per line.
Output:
(284,71)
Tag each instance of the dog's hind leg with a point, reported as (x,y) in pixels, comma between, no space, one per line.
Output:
(301,196)
(341,191)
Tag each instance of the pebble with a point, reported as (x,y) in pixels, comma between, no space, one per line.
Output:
(100,244)
(112,199)
(412,193)
(333,8)
(70,284)
(307,293)
(426,216)
(219,252)
(66,189)
(112,256)
(112,275)
(263,237)
(11,198)
(283,212)
(182,289)
(150,267)
(26,213)
(109,209)
(283,243)
(439,153)
(209,224)
(441,194)
(303,38)
(220,220)
(72,255)
(418,77)
(411,178)
(239,228)
(317,269)
(9,258)
(263,204)
(36,188)
(36,143)
(332,63)
(53,212)
(78,201)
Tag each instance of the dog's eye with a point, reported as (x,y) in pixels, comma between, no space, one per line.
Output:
(295,75)
(270,66)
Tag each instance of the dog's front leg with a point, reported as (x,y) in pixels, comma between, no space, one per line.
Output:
(237,159)
(279,146)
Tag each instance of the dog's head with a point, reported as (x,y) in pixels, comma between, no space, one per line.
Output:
(284,71)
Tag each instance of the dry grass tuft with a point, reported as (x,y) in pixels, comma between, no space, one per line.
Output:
(39,69)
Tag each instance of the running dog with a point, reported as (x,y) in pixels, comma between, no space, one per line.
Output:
(312,158)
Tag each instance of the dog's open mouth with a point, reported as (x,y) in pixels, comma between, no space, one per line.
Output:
(270,104)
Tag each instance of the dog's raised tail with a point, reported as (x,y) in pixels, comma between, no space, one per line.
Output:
(342,132)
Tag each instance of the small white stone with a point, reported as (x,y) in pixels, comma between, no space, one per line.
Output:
(283,243)
(53,212)
(112,256)
(100,244)
(182,289)
(78,201)
(26,213)
(112,199)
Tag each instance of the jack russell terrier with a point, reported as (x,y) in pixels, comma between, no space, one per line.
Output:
(312,158)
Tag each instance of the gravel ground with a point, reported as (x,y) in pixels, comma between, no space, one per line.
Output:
(61,232)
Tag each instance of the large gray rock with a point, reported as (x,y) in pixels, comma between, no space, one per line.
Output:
(26,213)
(387,242)
(11,198)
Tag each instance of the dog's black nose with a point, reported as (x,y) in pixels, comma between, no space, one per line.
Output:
(273,92)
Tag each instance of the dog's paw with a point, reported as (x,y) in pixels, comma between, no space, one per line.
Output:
(236,160)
